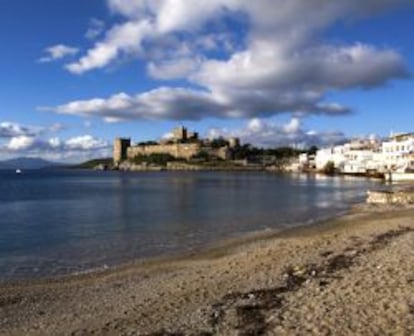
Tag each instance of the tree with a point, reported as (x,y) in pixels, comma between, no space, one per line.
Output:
(219,142)
(329,168)
(312,150)
(202,155)
(159,159)
(242,152)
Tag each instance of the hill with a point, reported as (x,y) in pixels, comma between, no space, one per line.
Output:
(27,163)
(4,166)
(92,164)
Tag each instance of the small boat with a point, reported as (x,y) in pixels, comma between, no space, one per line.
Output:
(18,171)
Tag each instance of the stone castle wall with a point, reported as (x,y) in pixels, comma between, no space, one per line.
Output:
(390,197)
(223,153)
(185,151)
(120,150)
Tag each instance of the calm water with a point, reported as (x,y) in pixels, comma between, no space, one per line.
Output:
(59,222)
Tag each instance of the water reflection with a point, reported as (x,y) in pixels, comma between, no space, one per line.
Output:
(57,222)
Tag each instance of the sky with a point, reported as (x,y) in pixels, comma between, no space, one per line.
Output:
(76,74)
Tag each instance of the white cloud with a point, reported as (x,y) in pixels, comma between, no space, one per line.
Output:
(187,104)
(95,29)
(167,136)
(293,126)
(55,128)
(172,69)
(14,130)
(266,134)
(10,130)
(19,143)
(18,140)
(280,63)
(122,38)
(128,8)
(57,52)
(55,142)
(75,148)
(85,142)
(318,69)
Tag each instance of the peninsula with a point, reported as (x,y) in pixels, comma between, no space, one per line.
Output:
(185,150)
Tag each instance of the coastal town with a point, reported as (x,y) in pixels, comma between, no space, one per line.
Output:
(391,158)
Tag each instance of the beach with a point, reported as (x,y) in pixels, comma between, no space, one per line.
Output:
(351,275)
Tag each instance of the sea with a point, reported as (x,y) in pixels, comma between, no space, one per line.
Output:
(60,222)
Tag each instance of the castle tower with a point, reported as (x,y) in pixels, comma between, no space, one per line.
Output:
(234,142)
(120,150)
(180,134)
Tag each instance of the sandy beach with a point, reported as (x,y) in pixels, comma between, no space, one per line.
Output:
(349,276)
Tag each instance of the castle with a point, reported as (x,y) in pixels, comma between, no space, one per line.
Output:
(182,145)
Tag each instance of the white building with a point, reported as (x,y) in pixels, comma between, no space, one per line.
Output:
(369,155)
(357,156)
(307,161)
(335,154)
(398,152)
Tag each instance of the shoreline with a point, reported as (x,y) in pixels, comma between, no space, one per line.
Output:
(207,250)
(44,267)
(243,282)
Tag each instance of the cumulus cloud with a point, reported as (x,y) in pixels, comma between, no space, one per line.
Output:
(133,9)
(57,52)
(14,130)
(317,69)
(11,130)
(37,141)
(187,104)
(19,143)
(122,38)
(75,148)
(262,133)
(172,69)
(85,142)
(279,64)
(275,21)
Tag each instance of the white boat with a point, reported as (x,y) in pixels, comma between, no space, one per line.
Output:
(18,171)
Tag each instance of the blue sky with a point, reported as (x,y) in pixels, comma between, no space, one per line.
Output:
(75,74)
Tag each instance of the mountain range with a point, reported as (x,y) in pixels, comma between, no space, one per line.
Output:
(27,163)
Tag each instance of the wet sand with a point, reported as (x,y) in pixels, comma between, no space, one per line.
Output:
(350,276)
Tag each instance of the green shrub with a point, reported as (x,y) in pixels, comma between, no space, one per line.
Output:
(329,168)
(202,156)
(219,142)
(159,159)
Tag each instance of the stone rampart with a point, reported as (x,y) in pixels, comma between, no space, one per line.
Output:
(120,150)
(184,151)
(390,197)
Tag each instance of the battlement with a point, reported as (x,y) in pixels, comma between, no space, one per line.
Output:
(182,145)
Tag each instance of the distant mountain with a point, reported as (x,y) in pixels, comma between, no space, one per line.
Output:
(92,164)
(27,163)
(3,165)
